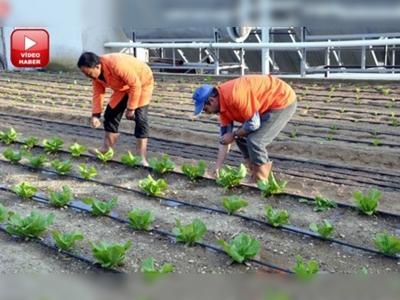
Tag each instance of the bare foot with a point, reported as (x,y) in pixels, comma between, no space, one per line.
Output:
(93,151)
(143,163)
(250,183)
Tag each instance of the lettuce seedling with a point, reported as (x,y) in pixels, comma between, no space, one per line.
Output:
(100,208)
(61,167)
(388,244)
(110,255)
(190,233)
(321,204)
(141,219)
(86,172)
(242,247)
(151,273)
(31,226)
(24,190)
(233,203)
(37,161)
(66,241)
(305,271)
(77,150)
(29,143)
(165,165)
(153,187)
(326,230)
(367,203)
(130,160)
(104,157)
(270,187)
(276,218)
(9,136)
(60,199)
(194,172)
(52,146)
(229,177)
(12,156)
(4,214)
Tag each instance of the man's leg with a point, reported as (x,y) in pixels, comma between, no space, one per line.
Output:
(141,133)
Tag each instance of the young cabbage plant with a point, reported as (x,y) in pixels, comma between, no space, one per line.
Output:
(230,177)
(388,244)
(87,172)
(61,167)
(321,204)
(242,247)
(67,240)
(12,156)
(37,161)
(149,271)
(163,166)
(77,150)
(270,187)
(104,157)
(130,160)
(367,203)
(276,218)
(153,187)
(52,146)
(233,203)
(141,219)
(29,143)
(9,136)
(305,271)
(31,226)
(60,199)
(110,255)
(100,208)
(24,190)
(190,233)
(194,172)
(4,214)
(326,230)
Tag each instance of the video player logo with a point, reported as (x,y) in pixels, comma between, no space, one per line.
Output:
(30,48)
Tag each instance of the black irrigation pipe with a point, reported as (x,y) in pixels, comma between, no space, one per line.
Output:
(158,231)
(250,219)
(68,253)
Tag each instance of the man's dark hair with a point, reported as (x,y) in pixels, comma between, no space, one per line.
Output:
(214,93)
(88,59)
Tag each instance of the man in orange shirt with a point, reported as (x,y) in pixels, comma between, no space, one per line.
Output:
(263,104)
(131,81)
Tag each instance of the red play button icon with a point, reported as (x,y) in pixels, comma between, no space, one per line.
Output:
(30,48)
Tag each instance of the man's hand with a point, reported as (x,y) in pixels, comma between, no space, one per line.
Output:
(130,114)
(95,122)
(227,138)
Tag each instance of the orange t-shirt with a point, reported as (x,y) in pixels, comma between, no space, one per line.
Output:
(241,98)
(124,74)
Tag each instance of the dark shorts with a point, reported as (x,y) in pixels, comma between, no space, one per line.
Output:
(254,146)
(113,116)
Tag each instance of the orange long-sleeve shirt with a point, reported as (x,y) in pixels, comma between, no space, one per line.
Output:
(124,74)
(241,98)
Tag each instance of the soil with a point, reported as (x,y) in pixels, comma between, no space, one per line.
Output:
(327,149)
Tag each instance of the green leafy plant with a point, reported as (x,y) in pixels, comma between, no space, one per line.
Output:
(342,110)
(77,150)
(190,233)
(321,203)
(60,199)
(100,208)
(110,255)
(87,172)
(367,203)
(153,187)
(104,157)
(376,142)
(330,137)
(357,90)
(276,218)
(61,167)
(151,273)
(305,271)
(293,134)
(4,214)
(326,230)
(271,186)
(52,146)
(165,165)
(130,160)
(31,226)
(233,203)
(388,244)
(9,136)
(194,172)
(335,127)
(230,177)
(12,156)
(37,161)
(242,247)
(395,123)
(141,219)
(29,143)
(66,241)
(24,190)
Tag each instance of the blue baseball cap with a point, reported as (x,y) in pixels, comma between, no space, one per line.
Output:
(200,96)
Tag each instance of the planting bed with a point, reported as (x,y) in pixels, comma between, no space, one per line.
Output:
(343,138)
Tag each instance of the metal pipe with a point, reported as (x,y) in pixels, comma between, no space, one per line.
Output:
(265,51)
